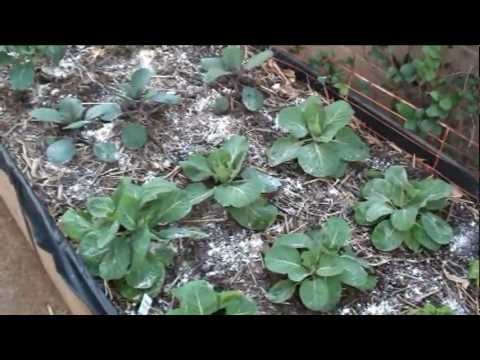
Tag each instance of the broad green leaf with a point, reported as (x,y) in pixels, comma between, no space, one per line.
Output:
(257,216)
(330,265)
(281,291)
(106,233)
(47,115)
(283,260)
(75,225)
(127,199)
(91,253)
(309,259)
(232,57)
(21,76)
(335,233)
(408,71)
(376,210)
(196,168)
(350,147)
(237,147)
(164,254)
(134,136)
(5,58)
(297,241)
(284,149)
(411,242)
(378,190)
(197,193)
(197,298)
(430,126)
(430,190)
(170,207)
(71,109)
(314,294)
(370,284)
(106,112)
(221,105)
(338,115)
(174,233)
(240,305)
(396,175)
(116,261)
(258,59)
(156,186)
(436,228)
(315,118)
(291,119)
(100,207)
(252,98)
(268,183)
(398,195)
(319,160)
(145,274)
(54,52)
(61,151)
(353,273)
(299,274)
(405,110)
(163,98)
(423,239)
(237,194)
(360,210)
(213,74)
(334,286)
(386,238)
(209,63)
(140,79)
(220,163)
(106,151)
(404,219)
(140,242)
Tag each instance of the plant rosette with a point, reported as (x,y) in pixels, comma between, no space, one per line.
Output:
(403,211)
(239,192)
(318,263)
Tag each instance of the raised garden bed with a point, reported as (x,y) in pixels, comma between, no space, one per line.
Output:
(231,257)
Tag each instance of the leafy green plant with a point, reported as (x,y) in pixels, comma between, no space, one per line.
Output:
(430,309)
(403,211)
(122,239)
(221,105)
(239,192)
(199,298)
(71,114)
(22,59)
(318,263)
(137,89)
(323,61)
(418,121)
(231,63)
(319,138)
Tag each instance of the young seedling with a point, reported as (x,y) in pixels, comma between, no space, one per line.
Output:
(473,269)
(120,238)
(319,138)
(318,264)
(137,89)
(199,298)
(239,192)
(22,59)
(71,114)
(403,211)
(231,63)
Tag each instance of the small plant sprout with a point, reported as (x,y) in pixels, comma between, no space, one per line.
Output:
(319,138)
(22,59)
(137,89)
(231,63)
(403,211)
(473,269)
(318,263)
(123,238)
(71,114)
(239,192)
(430,309)
(199,298)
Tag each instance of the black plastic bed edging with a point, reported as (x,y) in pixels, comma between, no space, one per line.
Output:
(369,113)
(46,234)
